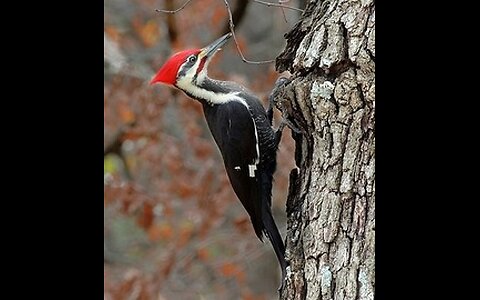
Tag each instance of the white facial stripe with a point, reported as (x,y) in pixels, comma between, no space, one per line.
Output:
(181,67)
(190,72)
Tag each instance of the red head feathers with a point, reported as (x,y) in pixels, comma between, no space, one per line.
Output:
(168,73)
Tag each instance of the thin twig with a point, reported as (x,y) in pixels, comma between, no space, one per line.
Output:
(171,24)
(278,5)
(283,13)
(230,19)
(238,15)
(232,25)
(283,9)
(173,11)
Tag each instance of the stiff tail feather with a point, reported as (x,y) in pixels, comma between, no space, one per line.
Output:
(275,238)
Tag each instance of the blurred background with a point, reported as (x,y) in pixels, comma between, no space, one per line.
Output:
(173,228)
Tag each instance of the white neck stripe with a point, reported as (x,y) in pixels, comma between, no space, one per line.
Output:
(212,98)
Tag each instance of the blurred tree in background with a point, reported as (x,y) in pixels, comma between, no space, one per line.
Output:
(174,229)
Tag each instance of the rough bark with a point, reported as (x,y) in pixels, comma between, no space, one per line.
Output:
(331,203)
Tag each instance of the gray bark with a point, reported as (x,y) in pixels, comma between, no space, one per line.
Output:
(331,203)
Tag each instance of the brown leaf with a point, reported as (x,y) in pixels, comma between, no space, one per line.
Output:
(202,148)
(113,33)
(250,296)
(145,219)
(170,263)
(229,269)
(125,113)
(205,227)
(167,209)
(184,189)
(242,224)
(219,15)
(184,236)
(173,164)
(203,254)
(148,32)
(160,232)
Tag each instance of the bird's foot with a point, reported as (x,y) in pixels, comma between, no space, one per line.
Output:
(286,122)
(279,84)
(279,131)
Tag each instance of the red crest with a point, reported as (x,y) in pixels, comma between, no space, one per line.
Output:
(168,72)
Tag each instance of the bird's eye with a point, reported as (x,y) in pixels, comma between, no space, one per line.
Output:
(192,59)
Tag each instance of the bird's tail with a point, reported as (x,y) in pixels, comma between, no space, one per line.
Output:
(276,240)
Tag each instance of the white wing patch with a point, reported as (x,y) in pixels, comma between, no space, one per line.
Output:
(256,145)
(212,98)
(219,99)
(251,170)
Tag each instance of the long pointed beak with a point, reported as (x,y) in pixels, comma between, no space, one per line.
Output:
(211,49)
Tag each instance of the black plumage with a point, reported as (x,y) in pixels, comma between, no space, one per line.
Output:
(232,127)
(242,130)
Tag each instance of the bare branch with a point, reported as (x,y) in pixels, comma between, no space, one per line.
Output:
(171,24)
(278,5)
(238,14)
(283,10)
(173,11)
(232,25)
(230,19)
(283,13)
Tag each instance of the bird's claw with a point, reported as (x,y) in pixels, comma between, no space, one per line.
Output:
(290,125)
(280,82)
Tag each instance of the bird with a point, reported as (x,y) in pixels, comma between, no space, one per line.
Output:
(242,130)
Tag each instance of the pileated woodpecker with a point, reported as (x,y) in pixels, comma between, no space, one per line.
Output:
(242,130)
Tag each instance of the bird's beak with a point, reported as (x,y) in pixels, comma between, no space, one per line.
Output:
(211,49)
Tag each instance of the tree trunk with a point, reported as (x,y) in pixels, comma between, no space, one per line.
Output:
(331,100)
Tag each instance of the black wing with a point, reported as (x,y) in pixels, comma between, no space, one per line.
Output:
(233,130)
